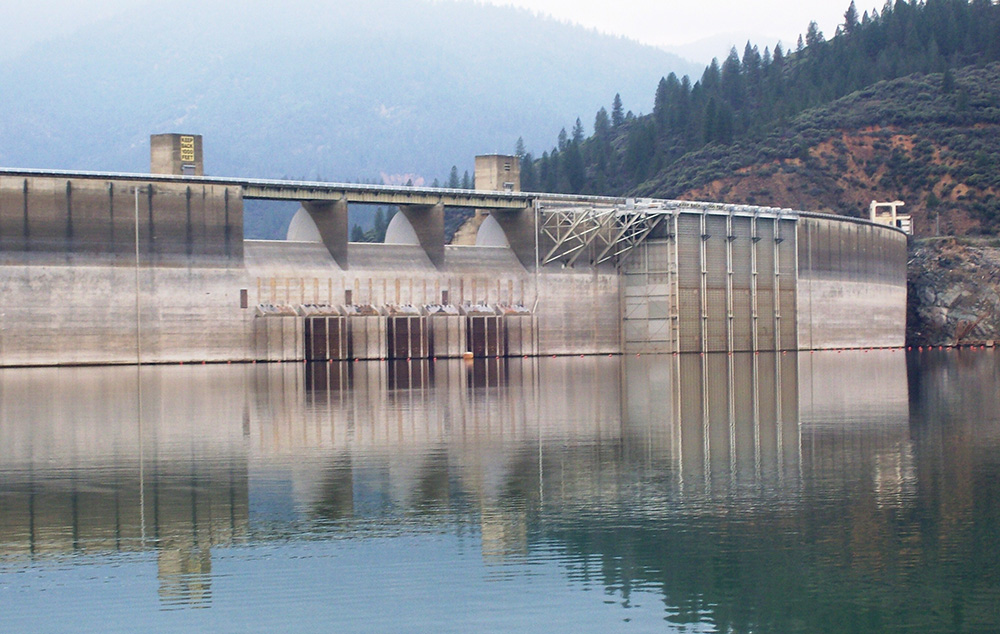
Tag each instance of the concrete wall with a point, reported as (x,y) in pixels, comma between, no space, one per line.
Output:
(53,315)
(577,310)
(712,282)
(852,284)
(75,221)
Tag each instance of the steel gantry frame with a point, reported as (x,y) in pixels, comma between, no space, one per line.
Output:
(611,228)
(614,229)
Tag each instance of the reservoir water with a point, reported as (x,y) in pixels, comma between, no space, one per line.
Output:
(823,492)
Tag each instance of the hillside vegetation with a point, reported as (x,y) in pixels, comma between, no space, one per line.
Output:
(901,103)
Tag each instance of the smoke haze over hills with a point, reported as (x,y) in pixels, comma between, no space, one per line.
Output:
(341,92)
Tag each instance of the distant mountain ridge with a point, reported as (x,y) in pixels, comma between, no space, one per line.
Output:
(341,92)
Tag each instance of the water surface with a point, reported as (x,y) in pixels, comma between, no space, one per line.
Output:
(825,492)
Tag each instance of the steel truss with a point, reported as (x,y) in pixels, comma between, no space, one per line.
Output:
(611,230)
(607,232)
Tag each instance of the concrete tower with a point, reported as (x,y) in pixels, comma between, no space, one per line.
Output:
(498,172)
(178,154)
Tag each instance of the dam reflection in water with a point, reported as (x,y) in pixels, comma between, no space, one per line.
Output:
(693,477)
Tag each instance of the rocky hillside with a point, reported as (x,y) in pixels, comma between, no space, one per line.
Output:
(954,292)
(932,141)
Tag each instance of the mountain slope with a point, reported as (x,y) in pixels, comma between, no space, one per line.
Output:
(929,142)
(346,91)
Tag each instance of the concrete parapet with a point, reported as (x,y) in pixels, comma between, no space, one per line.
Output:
(46,220)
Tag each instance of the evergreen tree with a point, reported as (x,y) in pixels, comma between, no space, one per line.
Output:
(528,177)
(380,225)
(617,116)
(851,18)
(814,37)
(543,171)
(577,132)
(661,103)
(947,82)
(466,181)
(357,235)
(602,124)
(574,171)
(519,150)
(710,121)
(453,182)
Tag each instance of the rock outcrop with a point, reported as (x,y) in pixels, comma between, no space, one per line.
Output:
(954,292)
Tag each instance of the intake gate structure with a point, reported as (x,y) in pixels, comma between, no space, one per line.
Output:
(115,268)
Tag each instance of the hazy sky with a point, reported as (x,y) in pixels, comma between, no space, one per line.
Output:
(657,22)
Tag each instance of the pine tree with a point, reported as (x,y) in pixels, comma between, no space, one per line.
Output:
(661,103)
(575,173)
(577,132)
(380,225)
(357,234)
(617,115)
(602,124)
(466,181)
(947,82)
(519,150)
(528,181)
(814,36)
(851,18)
(453,182)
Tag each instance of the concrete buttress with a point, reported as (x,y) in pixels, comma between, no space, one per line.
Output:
(331,221)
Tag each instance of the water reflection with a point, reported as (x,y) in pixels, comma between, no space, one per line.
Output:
(84,470)
(819,492)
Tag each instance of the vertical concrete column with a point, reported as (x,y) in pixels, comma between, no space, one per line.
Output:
(777,284)
(674,281)
(331,220)
(730,236)
(754,238)
(519,227)
(428,223)
(703,279)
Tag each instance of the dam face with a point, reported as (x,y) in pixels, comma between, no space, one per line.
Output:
(705,278)
(731,282)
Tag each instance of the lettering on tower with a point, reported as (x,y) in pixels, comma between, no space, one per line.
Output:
(187,149)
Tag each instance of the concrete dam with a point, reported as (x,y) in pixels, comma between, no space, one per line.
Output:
(111,268)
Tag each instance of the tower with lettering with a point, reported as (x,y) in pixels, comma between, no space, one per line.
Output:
(178,154)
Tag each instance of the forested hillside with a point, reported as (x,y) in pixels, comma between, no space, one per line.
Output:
(900,103)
